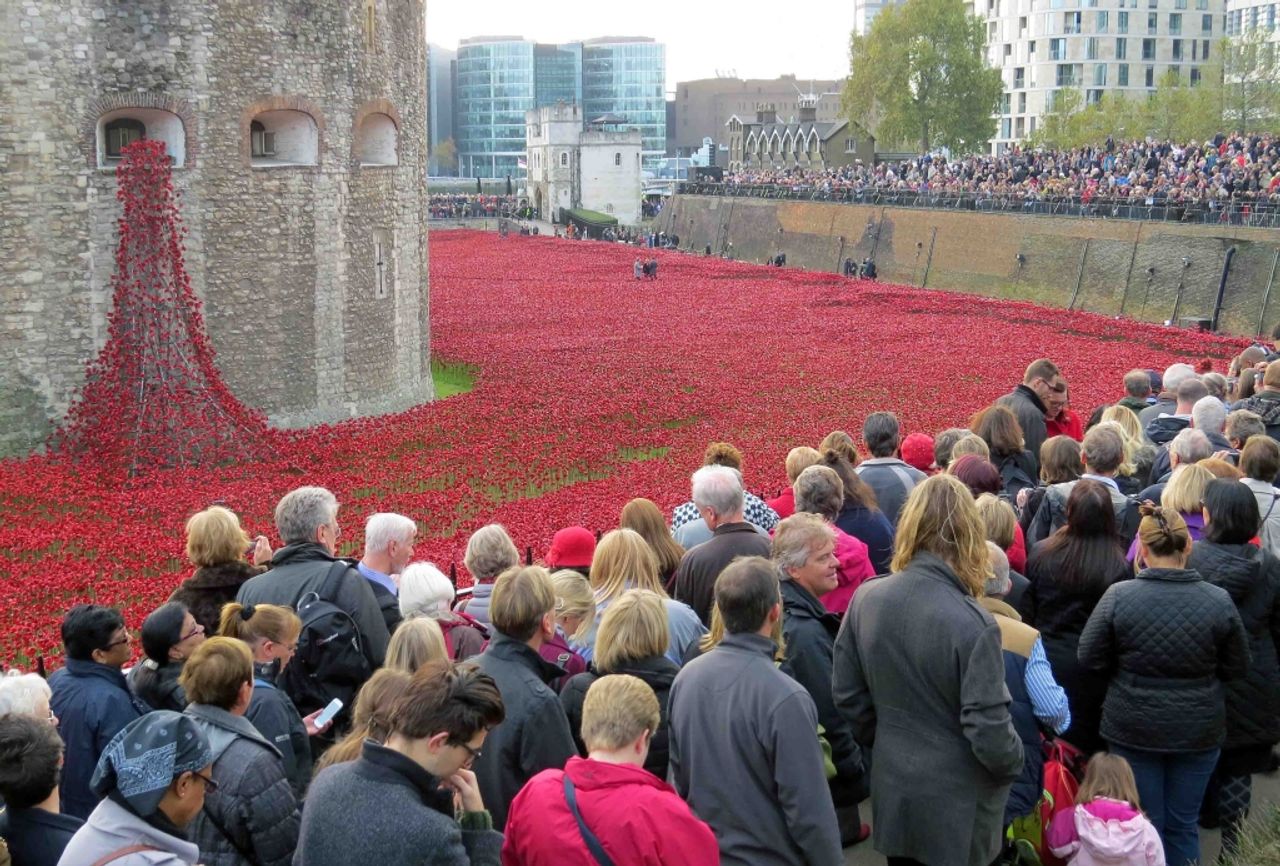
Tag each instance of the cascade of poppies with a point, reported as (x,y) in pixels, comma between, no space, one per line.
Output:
(153,397)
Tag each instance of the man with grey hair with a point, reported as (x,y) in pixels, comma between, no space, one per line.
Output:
(885,472)
(388,547)
(1167,401)
(1037,699)
(1189,446)
(1240,425)
(718,496)
(1209,416)
(307,520)
(1102,455)
(1166,425)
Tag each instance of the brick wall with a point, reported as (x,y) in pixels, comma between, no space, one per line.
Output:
(1107,266)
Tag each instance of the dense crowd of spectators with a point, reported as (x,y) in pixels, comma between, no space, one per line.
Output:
(912,623)
(471,205)
(1201,178)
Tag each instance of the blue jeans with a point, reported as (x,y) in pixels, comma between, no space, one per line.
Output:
(1172,786)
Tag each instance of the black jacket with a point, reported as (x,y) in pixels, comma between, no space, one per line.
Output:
(37,837)
(1164,427)
(388,605)
(206,591)
(1161,465)
(158,687)
(1167,639)
(810,632)
(1252,577)
(1026,404)
(658,672)
(1060,613)
(277,719)
(534,736)
(299,569)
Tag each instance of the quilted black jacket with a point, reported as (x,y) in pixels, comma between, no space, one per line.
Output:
(1252,577)
(1168,640)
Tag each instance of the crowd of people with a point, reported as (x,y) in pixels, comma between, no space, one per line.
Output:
(915,624)
(471,205)
(1235,173)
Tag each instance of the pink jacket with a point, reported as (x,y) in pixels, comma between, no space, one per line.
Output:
(855,567)
(1105,832)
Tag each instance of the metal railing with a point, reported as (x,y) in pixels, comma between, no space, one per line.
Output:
(1239,212)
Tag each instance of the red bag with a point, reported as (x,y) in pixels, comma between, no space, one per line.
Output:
(1063,769)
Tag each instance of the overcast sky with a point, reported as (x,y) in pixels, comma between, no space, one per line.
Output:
(702,38)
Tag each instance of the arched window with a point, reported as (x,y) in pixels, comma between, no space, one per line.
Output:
(118,134)
(282,138)
(121,127)
(617,158)
(378,136)
(564,159)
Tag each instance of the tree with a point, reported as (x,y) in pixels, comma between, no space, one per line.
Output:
(1062,125)
(921,75)
(445,154)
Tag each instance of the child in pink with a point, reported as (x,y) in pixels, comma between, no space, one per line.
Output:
(1106,827)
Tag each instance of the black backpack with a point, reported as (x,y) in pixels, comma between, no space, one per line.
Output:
(330,661)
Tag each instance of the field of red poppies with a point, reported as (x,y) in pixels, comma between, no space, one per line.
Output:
(590,388)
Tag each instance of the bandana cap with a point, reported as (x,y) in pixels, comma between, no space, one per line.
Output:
(141,762)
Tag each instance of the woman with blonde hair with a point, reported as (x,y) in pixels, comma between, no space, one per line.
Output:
(625,561)
(415,643)
(371,719)
(799,459)
(1184,494)
(217,546)
(646,518)
(577,604)
(1166,641)
(272,631)
(633,638)
(919,671)
(1138,453)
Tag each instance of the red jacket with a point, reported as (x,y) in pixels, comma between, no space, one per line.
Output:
(785,504)
(1017,551)
(639,819)
(1067,423)
(855,567)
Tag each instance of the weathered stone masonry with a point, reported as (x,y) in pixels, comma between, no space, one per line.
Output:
(307,324)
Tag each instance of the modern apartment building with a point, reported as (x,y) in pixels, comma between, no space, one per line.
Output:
(1043,47)
(1246,15)
(702,107)
(864,12)
(500,78)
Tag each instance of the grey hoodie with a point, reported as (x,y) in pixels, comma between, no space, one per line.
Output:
(112,827)
(254,810)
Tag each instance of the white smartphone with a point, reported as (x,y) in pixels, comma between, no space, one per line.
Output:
(327,714)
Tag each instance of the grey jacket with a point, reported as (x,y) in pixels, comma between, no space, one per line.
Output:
(253,814)
(892,480)
(744,753)
(298,569)
(112,827)
(385,810)
(919,673)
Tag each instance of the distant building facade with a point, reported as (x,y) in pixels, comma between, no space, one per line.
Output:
(768,142)
(702,108)
(595,167)
(499,79)
(1113,47)
(440,72)
(865,11)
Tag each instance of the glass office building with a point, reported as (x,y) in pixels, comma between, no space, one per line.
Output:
(498,79)
(494,87)
(626,78)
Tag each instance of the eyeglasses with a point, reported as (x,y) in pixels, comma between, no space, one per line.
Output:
(473,755)
(115,643)
(210,786)
(195,631)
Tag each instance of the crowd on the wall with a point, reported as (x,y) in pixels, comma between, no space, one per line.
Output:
(949,624)
(1227,170)
(471,205)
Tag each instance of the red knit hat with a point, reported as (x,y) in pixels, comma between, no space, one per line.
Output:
(572,547)
(917,450)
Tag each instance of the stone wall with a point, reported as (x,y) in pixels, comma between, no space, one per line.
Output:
(1146,270)
(282,255)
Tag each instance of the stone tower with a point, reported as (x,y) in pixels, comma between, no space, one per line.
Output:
(298,134)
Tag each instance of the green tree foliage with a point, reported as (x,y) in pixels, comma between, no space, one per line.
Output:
(920,75)
(1249,78)
(445,153)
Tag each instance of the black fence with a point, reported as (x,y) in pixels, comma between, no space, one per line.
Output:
(1257,214)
